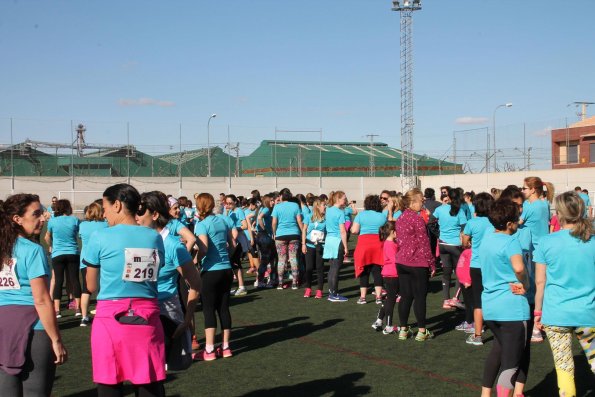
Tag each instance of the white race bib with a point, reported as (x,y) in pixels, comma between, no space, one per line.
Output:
(141,264)
(8,276)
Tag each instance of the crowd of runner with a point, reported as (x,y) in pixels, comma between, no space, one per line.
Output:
(522,260)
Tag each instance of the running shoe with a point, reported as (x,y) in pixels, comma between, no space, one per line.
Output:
(241,292)
(58,315)
(389,329)
(318,294)
(307,292)
(72,304)
(398,299)
(195,344)
(85,321)
(423,336)
(294,286)
(405,333)
(361,301)
(225,353)
(536,336)
(256,283)
(377,325)
(250,271)
(457,304)
(446,305)
(379,301)
(78,313)
(474,340)
(337,298)
(204,356)
(466,327)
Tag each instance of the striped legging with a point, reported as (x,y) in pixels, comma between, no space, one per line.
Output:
(560,339)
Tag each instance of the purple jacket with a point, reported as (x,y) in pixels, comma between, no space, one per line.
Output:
(413,241)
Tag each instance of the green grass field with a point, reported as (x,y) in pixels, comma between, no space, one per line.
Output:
(286,345)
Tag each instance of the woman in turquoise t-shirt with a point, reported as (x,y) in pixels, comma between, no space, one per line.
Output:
(505,307)
(215,243)
(565,297)
(28,324)
(335,244)
(451,221)
(313,233)
(127,340)
(61,236)
(178,228)
(94,221)
(154,213)
(287,231)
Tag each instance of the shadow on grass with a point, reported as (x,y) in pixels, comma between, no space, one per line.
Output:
(583,378)
(341,386)
(251,337)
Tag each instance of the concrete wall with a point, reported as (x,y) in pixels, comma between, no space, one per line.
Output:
(87,189)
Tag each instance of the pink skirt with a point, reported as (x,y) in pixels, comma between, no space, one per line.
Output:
(120,352)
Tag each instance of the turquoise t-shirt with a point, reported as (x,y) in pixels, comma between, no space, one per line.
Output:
(236,216)
(106,251)
(369,221)
(397,214)
(536,217)
(313,225)
(348,213)
(286,213)
(471,214)
(247,213)
(306,211)
(267,219)
(569,297)
(174,226)
(31,263)
(476,228)
(189,214)
(587,201)
(450,226)
(64,231)
(176,255)
(216,228)
(334,217)
(385,212)
(498,301)
(86,230)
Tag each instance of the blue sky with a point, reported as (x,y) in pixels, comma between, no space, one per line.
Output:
(295,65)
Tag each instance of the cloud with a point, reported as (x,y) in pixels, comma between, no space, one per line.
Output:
(145,102)
(543,132)
(471,120)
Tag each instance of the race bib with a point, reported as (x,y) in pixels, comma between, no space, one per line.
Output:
(8,276)
(141,264)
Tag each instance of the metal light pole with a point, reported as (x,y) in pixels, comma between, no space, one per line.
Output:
(408,165)
(506,105)
(209,144)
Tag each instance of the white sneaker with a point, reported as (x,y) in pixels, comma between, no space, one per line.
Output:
(241,292)
(388,330)
(377,325)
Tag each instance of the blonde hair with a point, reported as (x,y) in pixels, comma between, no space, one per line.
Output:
(570,209)
(496,193)
(335,196)
(536,183)
(331,199)
(410,196)
(317,216)
(94,212)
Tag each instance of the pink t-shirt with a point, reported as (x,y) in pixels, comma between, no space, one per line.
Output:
(554,223)
(390,249)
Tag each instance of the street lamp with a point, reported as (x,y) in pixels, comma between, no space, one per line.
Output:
(505,105)
(209,144)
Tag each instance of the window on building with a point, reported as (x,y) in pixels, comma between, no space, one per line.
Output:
(592,153)
(572,153)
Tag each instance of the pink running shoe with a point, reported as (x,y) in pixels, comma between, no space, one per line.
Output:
(307,292)
(318,294)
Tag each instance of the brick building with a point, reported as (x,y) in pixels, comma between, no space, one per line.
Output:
(574,147)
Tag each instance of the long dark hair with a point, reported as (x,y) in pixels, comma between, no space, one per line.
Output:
(126,194)
(155,201)
(9,230)
(455,201)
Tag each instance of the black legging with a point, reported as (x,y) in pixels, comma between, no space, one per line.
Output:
(70,264)
(147,390)
(449,255)
(333,273)
(388,305)
(37,377)
(215,297)
(314,258)
(526,360)
(506,354)
(413,285)
(364,277)
(469,303)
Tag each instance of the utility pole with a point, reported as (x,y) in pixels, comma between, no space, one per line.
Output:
(372,171)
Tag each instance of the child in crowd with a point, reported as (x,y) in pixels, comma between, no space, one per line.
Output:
(390,278)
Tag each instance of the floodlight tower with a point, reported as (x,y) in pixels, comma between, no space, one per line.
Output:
(408,171)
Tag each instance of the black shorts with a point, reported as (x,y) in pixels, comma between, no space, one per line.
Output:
(476,286)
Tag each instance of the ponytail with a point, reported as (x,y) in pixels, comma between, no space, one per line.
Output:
(549,191)
(455,201)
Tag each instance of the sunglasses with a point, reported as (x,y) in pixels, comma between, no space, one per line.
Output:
(383,198)
(525,188)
